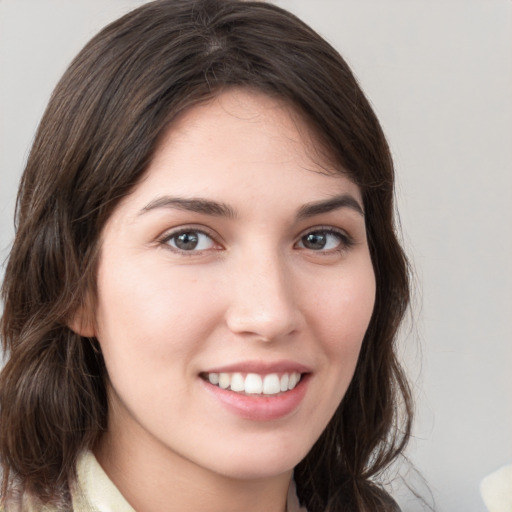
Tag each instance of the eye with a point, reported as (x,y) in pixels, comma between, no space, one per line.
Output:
(189,240)
(324,240)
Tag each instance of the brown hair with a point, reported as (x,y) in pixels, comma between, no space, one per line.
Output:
(94,143)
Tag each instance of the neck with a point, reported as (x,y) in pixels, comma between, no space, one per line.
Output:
(155,480)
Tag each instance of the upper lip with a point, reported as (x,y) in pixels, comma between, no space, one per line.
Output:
(261,367)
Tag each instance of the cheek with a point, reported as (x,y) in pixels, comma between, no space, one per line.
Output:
(339,314)
(148,313)
(342,310)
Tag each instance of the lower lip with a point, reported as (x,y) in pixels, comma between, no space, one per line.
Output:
(260,407)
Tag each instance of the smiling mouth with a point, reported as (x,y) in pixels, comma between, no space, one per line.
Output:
(253,383)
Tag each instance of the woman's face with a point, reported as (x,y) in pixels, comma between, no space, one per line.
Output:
(239,261)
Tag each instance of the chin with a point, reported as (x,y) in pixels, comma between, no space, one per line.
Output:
(260,462)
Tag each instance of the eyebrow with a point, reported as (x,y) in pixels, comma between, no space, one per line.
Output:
(197,205)
(218,209)
(329,205)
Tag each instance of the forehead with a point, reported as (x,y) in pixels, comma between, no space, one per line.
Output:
(242,141)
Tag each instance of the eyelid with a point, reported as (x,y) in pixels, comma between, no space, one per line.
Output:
(346,240)
(173,232)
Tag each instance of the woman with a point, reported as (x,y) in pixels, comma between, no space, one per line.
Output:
(205,285)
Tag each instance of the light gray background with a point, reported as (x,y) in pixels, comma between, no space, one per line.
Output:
(439,73)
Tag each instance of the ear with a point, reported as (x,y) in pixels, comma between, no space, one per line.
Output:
(82,323)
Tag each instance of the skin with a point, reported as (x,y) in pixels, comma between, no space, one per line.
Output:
(252,290)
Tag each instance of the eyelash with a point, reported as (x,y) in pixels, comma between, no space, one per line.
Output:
(345,241)
(165,239)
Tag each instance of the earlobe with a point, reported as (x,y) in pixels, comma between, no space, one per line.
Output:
(81,323)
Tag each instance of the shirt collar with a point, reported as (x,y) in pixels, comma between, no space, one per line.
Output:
(95,492)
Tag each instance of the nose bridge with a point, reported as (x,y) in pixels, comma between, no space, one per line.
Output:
(263,301)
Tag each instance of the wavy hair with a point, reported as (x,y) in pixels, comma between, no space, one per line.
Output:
(94,142)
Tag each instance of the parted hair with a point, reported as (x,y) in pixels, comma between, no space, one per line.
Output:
(93,145)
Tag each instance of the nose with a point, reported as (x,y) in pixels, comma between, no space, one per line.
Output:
(263,303)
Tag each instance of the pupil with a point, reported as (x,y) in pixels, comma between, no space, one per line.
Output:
(187,241)
(315,241)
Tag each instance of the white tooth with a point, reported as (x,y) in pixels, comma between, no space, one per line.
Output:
(224,380)
(271,384)
(237,382)
(294,379)
(213,378)
(253,383)
(284,382)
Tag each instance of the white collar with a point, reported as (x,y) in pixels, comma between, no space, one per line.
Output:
(95,492)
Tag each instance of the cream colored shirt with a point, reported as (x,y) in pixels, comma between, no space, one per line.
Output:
(95,492)
(496,490)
